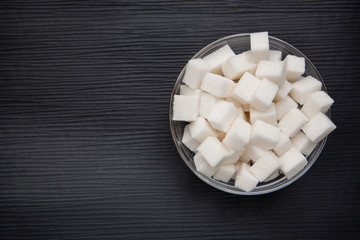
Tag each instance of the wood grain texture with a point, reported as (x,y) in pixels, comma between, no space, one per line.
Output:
(85,146)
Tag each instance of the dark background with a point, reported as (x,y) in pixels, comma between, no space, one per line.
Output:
(85,146)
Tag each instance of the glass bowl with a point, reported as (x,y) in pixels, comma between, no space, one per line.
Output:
(240,43)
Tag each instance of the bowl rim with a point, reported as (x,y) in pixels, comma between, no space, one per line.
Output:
(225,187)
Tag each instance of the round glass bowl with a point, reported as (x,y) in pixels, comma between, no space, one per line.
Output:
(240,43)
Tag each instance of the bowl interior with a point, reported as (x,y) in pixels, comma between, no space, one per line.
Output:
(240,43)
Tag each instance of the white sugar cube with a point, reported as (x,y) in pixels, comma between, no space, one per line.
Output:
(318,127)
(233,156)
(213,151)
(292,122)
(244,179)
(185,108)
(292,162)
(238,135)
(217,85)
(245,88)
(201,129)
(237,167)
(189,142)
(252,153)
(295,67)
(269,115)
(236,66)
(202,166)
(186,90)
(283,91)
(274,175)
(251,57)
(272,70)
(264,95)
(259,44)
(283,145)
(264,135)
(265,166)
(222,115)
(275,55)
(195,71)
(234,101)
(218,57)
(225,172)
(207,102)
(241,113)
(303,143)
(318,101)
(284,106)
(303,87)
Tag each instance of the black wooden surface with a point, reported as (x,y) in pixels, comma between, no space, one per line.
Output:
(85,146)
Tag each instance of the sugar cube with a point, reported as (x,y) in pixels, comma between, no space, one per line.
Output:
(275,55)
(272,70)
(207,102)
(292,122)
(202,166)
(318,101)
(318,127)
(185,108)
(241,113)
(284,106)
(233,156)
(292,162)
(195,71)
(225,172)
(186,90)
(234,101)
(213,151)
(245,88)
(259,44)
(283,145)
(237,167)
(244,179)
(238,135)
(269,115)
(252,153)
(295,67)
(218,57)
(274,175)
(283,91)
(264,135)
(200,129)
(236,66)
(303,143)
(189,142)
(303,87)
(251,57)
(217,85)
(265,166)
(264,95)
(222,115)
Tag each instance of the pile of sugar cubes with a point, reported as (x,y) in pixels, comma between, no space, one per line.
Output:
(252,116)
